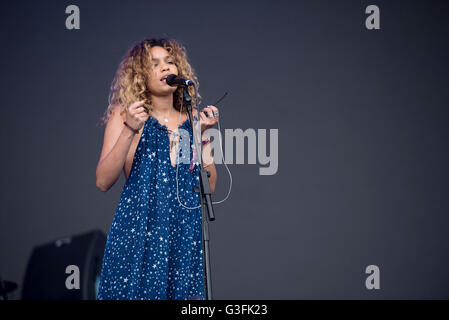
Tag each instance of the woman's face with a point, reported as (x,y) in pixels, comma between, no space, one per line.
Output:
(163,65)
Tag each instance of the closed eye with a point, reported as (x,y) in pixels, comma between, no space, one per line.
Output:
(155,64)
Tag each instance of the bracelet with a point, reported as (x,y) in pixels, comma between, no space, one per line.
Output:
(205,141)
(134,130)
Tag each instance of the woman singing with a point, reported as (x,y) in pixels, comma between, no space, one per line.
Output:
(154,246)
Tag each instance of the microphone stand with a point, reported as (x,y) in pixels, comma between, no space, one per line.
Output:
(205,197)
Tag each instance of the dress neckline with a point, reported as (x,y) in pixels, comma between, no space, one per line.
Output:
(155,122)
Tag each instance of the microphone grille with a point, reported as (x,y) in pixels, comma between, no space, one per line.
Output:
(170,79)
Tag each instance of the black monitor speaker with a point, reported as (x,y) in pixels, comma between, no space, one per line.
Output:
(65,269)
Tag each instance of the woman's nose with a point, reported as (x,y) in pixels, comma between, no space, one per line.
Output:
(165,67)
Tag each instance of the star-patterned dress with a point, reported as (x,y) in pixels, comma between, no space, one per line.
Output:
(154,246)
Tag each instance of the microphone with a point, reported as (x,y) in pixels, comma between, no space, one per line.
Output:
(173,80)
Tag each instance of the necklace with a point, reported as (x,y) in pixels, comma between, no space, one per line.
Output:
(166,118)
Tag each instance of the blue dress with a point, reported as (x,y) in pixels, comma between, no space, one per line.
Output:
(154,247)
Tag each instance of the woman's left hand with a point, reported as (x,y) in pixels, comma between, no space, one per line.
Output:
(208,122)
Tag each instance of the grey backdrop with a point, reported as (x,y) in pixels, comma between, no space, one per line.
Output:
(362,118)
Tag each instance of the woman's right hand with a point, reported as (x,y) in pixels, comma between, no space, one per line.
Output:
(136,115)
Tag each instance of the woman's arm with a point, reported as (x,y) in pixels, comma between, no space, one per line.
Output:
(116,144)
(208,160)
(209,165)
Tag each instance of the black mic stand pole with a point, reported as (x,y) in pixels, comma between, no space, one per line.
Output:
(205,197)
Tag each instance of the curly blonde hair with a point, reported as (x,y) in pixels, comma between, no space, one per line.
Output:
(130,83)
